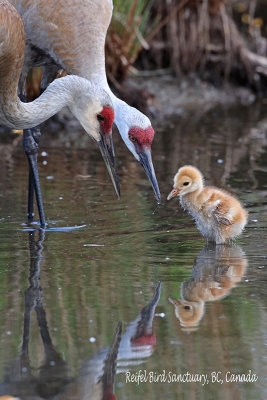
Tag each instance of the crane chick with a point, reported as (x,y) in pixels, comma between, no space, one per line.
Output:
(218,215)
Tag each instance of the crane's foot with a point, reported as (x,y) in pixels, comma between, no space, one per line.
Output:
(31,139)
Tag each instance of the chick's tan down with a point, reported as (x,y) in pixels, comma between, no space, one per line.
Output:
(218,215)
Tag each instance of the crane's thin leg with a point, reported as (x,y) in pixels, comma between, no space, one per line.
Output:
(30,212)
(31,139)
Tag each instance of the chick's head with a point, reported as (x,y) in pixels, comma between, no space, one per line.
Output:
(187,180)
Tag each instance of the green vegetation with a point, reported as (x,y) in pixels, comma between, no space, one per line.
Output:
(127,35)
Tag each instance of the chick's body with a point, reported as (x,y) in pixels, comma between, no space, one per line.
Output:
(218,215)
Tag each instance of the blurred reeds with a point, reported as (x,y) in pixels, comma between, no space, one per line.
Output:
(130,26)
(201,36)
(184,36)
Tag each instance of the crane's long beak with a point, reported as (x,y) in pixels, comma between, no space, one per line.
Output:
(146,161)
(107,150)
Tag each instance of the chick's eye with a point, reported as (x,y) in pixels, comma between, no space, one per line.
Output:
(186,183)
(100,117)
(132,138)
(187,307)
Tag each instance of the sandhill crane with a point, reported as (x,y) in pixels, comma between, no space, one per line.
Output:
(89,103)
(72,34)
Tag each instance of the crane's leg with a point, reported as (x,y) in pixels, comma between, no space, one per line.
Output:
(30,212)
(31,139)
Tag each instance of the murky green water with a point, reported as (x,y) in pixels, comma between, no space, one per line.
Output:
(63,293)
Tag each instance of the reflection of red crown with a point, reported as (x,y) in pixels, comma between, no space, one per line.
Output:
(149,340)
(109,396)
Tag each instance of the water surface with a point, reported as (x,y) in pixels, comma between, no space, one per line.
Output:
(115,287)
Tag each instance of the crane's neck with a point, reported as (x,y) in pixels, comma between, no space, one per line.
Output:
(121,108)
(16,114)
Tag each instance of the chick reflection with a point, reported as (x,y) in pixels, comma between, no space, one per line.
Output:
(216,271)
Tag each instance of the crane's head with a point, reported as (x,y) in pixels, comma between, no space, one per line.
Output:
(94,109)
(137,133)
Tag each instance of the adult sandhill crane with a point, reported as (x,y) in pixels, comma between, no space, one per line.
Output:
(90,103)
(72,34)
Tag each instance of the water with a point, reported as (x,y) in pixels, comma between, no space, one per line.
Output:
(84,296)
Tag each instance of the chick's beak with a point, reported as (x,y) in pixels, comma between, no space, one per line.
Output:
(173,193)
(145,160)
(107,150)
(174,301)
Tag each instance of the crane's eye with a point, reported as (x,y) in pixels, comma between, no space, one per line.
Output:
(100,117)
(186,183)
(132,138)
(187,307)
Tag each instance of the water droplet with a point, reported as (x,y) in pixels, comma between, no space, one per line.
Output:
(44,154)
(161,315)
(92,339)
(44,162)
(49,177)
(220,161)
